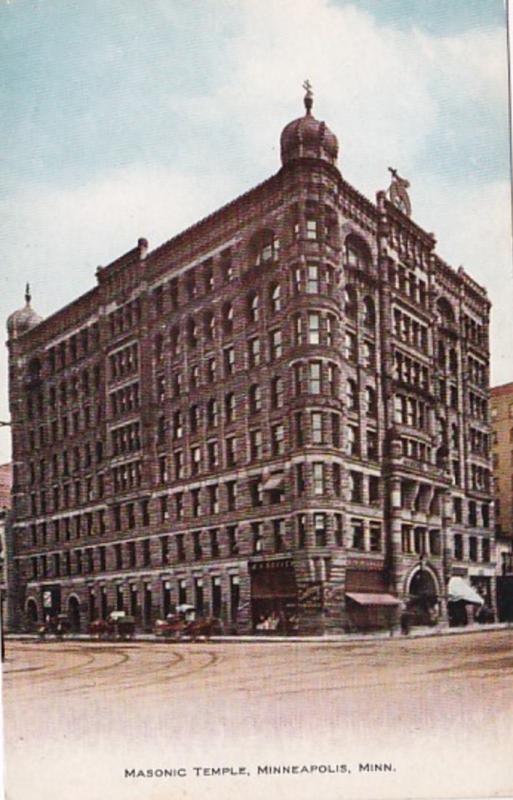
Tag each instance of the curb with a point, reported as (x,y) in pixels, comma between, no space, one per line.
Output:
(257,639)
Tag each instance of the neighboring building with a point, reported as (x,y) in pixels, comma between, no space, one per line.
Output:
(5,520)
(502,448)
(279,414)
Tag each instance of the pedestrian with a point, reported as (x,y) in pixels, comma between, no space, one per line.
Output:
(405,622)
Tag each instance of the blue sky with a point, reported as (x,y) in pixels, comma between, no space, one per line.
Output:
(128,118)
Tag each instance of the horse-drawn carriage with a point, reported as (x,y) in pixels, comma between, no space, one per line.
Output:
(118,625)
(184,623)
(57,626)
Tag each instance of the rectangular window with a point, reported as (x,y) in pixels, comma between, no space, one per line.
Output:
(213,456)
(278,439)
(195,460)
(229,360)
(231,495)
(276,345)
(318,478)
(213,499)
(356,487)
(335,430)
(298,329)
(472,545)
(320,530)
(179,505)
(255,444)
(337,480)
(197,548)
(486,549)
(375,537)
(357,533)
(164,514)
(254,352)
(313,328)
(316,421)
(195,502)
(312,285)
(314,377)
(279,535)
(255,491)
(180,547)
(258,537)
(230,451)
(374,497)
(351,347)
(233,546)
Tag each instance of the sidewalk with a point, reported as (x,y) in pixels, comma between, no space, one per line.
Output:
(339,638)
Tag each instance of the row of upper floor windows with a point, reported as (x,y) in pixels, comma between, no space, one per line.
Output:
(83,419)
(352,304)
(68,351)
(77,387)
(409,370)
(125,318)
(65,462)
(411,411)
(477,372)
(409,330)
(408,283)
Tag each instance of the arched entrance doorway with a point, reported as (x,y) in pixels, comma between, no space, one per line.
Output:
(423,604)
(31,611)
(74,614)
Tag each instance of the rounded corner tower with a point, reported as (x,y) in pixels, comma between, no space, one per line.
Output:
(308,137)
(22,320)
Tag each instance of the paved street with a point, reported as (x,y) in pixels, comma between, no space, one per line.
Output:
(432,710)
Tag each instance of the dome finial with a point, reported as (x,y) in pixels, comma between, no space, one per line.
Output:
(28,296)
(308,99)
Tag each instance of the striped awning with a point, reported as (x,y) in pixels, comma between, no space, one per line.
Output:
(373,599)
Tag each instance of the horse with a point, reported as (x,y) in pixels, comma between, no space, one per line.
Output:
(203,627)
(173,626)
(102,628)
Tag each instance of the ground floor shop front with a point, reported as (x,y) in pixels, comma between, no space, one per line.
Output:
(307,595)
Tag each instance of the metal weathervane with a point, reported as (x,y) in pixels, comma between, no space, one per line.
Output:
(397,192)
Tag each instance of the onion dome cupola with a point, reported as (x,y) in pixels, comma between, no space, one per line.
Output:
(22,320)
(306,137)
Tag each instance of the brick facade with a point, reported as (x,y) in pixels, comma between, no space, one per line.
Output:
(502,450)
(284,405)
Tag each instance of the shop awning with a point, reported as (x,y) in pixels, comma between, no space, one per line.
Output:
(274,481)
(370,599)
(458,589)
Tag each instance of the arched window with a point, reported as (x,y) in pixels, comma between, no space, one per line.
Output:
(350,302)
(253,307)
(358,253)
(371,401)
(445,312)
(369,313)
(228,318)
(275,297)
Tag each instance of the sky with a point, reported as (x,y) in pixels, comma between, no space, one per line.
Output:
(130,118)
